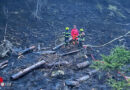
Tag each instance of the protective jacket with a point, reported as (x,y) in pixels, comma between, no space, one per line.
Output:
(74,34)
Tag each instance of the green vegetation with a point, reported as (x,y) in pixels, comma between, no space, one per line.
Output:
(117,85)
(118,58)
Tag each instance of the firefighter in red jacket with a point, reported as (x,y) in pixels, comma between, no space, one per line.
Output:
(74,34)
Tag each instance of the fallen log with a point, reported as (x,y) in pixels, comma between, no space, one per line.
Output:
(81,79)
(60,45)
(60,63)
(46,52)
(77,81)
(3,64)
(28,69)
(83,64)
(84,78)
(92,72)
(68,53)
(72,83)
(30,49)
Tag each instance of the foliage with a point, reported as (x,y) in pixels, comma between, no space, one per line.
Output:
(117,85)
(118,58)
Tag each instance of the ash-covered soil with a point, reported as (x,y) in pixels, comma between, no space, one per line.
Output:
(34,22)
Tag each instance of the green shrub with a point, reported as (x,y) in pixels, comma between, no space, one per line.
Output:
(118,85)
(118,58)
(114,62)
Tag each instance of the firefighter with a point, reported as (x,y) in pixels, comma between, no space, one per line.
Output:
(74,35)
(66,35)
(81,37)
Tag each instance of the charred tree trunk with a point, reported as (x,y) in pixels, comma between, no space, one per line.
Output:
(3,64)
(46,52)
(72,52)
(72,83)
(30,49)
(25,71)
(60,45)
(77,81)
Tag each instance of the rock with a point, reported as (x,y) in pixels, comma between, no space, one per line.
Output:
(57,73)
(60,63)
(5,48)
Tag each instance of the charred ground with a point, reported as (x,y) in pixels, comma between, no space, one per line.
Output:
(33,22)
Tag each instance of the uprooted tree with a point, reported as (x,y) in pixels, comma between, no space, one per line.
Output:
(115,65)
